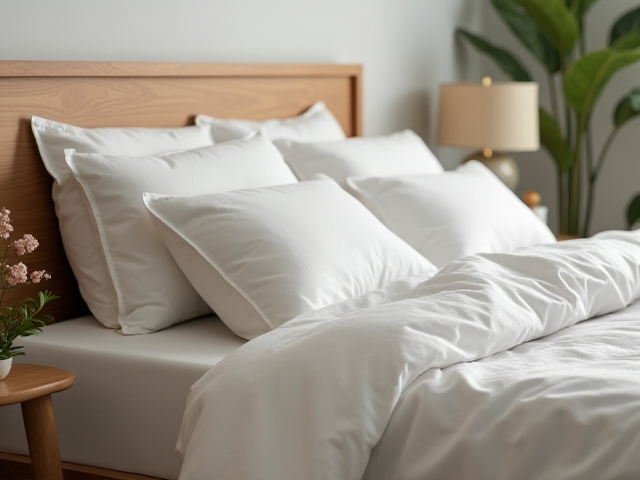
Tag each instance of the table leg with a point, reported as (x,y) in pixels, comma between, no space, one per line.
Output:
(40,426)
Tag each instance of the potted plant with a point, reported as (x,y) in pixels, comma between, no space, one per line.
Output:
(554,32)
(24,319)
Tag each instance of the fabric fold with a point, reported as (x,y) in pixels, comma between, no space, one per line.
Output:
(312,398)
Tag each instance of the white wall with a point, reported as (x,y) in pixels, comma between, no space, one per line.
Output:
(620,177)
(407,47)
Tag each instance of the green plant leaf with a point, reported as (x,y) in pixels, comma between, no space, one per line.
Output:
(528,33)
(587,77)
(553,141)
(627,109)
(556,21)
(633,211)
(580,7)
(629,41)
(21,321)
(629,22)
(504,59)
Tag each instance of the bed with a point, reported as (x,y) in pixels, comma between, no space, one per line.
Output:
(109,444)
(425,324)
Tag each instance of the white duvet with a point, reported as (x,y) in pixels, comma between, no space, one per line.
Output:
(440,378)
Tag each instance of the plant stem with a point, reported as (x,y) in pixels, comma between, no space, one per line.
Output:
(563,200)
(569,126)
(574,214)
(574,211)
(590,196)
(584,128)
(589,134)
(553,92)
(605,151)
(593,176)
(567,112)
(567,186)
(568,199)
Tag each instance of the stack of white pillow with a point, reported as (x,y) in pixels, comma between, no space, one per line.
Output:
(262,221)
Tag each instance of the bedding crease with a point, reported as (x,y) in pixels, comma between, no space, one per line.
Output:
(312,398)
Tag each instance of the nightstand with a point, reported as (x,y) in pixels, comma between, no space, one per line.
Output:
(32,386)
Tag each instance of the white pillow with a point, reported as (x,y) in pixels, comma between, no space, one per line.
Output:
(151,291)
(316,124)
(79,240)
(453,214)
(401,153)
(264,256)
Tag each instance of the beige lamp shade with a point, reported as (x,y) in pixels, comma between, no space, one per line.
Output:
(501,116)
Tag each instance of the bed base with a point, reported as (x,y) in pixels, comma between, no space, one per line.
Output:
(18,467)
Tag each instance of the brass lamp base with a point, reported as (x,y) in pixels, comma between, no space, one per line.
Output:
(502,165)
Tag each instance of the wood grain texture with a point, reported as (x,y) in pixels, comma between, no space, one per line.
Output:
(34,68)
(26,382)
(32,386)
(18,467)
(42,438)
(100,94)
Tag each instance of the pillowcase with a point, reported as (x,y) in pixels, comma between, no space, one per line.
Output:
(316,124)
(261,257)
(150,291)
(453,214)
(79,240)
(401,153)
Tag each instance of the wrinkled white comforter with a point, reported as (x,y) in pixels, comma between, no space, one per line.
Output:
(391,385)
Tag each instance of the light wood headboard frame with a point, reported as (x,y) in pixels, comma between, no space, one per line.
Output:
(136,95)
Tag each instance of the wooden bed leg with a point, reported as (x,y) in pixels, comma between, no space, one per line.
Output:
(40,426)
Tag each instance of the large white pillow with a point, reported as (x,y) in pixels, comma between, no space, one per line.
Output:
(401,153)
(316,124)
(261,257)
(453,214)
(150,289)
(79,240)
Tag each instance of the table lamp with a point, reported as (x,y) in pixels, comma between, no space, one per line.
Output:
(493,117)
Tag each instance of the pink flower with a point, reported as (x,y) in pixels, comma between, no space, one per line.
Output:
(26,244)
(17,274)
(5,223)
(38,275)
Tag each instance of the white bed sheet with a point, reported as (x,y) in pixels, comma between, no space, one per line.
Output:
(125,409)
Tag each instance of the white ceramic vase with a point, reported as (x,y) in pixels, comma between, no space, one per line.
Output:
(5,367)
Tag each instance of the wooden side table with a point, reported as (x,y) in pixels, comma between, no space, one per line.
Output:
(32,386)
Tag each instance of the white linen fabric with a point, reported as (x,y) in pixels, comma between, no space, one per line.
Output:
(151,290)
(124,410)
(313,398)
(454,214)
(261,257)
(316,124)
(401,153)
(562,407)
(79,240)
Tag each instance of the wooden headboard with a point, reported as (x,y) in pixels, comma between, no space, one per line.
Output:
(90,94)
